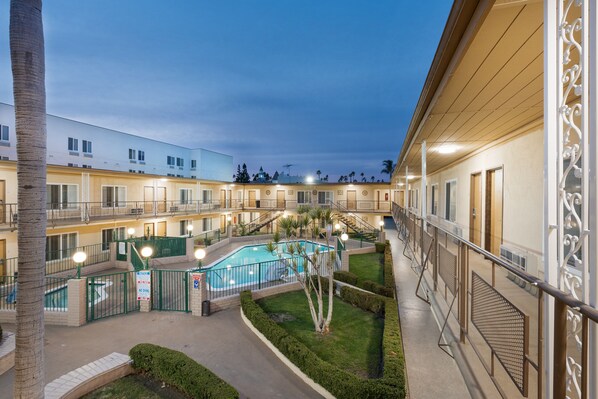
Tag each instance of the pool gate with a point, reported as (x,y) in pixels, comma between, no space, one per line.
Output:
(111,295)
(170,290)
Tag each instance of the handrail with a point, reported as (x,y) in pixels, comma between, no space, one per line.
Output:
(336,205)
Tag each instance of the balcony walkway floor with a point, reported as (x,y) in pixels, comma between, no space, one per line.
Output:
(431,373)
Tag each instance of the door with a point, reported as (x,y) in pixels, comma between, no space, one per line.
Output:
(223,198)
(2,202)
(148,199)
(161,199)
(280,199)
(377,200)
(400,197)
(148,230)
(252,198)
(162,229)
(351,199)
(475,209)
(494,210)
(223,223)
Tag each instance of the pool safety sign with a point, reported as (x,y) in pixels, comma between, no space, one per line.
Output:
(144,285)
(196,279)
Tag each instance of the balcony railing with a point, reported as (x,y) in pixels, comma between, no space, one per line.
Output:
(498,311)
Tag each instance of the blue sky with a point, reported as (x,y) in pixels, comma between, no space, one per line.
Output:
(328,85)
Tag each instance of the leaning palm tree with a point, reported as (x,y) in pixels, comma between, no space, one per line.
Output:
(389,166)
(28,70)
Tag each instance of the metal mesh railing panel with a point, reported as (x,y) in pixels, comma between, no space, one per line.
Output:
(447,268)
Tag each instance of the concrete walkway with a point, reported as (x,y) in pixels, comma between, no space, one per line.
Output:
(431,373)
(220,342)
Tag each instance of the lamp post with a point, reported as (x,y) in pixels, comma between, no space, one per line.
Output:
(147,252)
(131,232)
(79,257)
(381,224)
(200,253)
(190,229)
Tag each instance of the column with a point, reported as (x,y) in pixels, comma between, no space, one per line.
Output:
(423,182)
(406,187)
(77,302)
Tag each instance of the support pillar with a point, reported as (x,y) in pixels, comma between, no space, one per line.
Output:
(424,199)
(406,187)
(77,300)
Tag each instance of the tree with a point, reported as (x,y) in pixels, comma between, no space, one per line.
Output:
(28,70)
(373,179)
(351,176)
(389,166)
(319,173)
(242,176)
(363,179)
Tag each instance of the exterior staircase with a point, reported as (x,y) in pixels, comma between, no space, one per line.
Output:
(354,223)
(258,223)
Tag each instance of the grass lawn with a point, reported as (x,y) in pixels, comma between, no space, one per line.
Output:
(135,386)
(355,341)
(368,267)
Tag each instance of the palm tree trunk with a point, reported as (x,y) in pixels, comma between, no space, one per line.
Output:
(28,68)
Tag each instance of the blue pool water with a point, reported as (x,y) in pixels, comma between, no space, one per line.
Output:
(58,298)
(253,264)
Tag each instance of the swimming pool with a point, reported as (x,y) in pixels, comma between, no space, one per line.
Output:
(254,264)
(58,299)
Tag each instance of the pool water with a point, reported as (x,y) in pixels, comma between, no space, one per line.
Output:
(58,299)
(253,264)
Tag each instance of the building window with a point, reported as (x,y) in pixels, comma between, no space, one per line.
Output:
(132,154)
(61,196)
(186,195)
(169,160)
(324,197)
(73,144)
(206,196)
(114,196)
(86,147)
(110,235)
(141,156)
(180,162)
(434,210)
(303,197)
(207,224)
(4,133)
(193,164)
(451,201)
(60,246)
(183,227)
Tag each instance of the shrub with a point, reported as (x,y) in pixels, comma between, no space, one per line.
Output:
(364,300)
(380,246)
(346,277)
(377,288)
(338,382)
(389,278)
(179,370)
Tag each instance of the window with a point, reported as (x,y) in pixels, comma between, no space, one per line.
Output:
(186,195)
(141,156)
(86,147)
(324,197)
(86,166)
(416,198)
(183,229)
(169,160)
(193,164)
(61,196)
(207,224)
(110,235)
(131,154)
(73,144)
(141,172)
(180,162)
(113,196)
(303,197)
(434,210)
(450,208)
(61,246)
(4,133)
(206,196)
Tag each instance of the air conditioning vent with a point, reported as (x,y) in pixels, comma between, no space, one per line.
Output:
(514,257)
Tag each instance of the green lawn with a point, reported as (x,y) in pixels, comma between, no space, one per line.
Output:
(368,267)
(135,386)
(355,341)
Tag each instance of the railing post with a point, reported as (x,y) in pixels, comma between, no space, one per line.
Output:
(259,273)
(436,260)
(463,288)
(560,350)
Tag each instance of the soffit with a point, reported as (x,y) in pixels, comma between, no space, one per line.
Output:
(494,90)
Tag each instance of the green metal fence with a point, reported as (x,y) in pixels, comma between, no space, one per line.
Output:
(56,293)
(138,263)
(111,295)
(170,290)
(207,238)
(162,246)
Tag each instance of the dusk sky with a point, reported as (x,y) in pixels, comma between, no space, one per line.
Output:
(328,85)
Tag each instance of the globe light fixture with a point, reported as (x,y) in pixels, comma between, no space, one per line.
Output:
(79,257)
(199,254)
(344,236)
(131,232)
(190,229)
(146,252)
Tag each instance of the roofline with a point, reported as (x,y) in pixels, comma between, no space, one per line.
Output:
(463,22)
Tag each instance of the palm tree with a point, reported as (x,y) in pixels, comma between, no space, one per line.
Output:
(28,70)
(373,179)
(389,166)
(319,172)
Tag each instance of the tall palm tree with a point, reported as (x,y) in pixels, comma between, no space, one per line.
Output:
(362,177)
(388,166)
(319,173)
(352,175)
(28,70)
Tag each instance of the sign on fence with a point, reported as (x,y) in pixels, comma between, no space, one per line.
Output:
(144,283)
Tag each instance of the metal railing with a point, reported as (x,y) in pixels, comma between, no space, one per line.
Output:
(207,238)
(56,293)
(136,260)
(162,246)
(497,309)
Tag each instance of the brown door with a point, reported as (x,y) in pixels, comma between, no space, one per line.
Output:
(148,230)
(475,209)
(161,198)
(222,223)
(377,199)
(3,271)
(494,209)
(148,199)
(223,198)
(2,202)
(251,198)
(280,199)
(229,199)
(162,229)
(351,199)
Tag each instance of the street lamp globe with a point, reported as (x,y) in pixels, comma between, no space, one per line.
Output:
(337,226)
(200,254)
(344,236)
(79,257)
(131,231)
(146,252)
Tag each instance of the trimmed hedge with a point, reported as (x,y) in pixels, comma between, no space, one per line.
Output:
(346,277)
(338,382)
(377,288)
(364,300)
(177,369)
(380,246)
(389,277)
(353,279)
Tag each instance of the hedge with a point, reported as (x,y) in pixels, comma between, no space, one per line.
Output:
(364,300)
(346,277)
(179,370)
(384,290)
(380,246)
(389,277)
(338,382)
